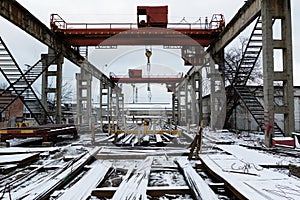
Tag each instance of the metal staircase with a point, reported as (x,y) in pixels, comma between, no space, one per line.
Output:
(21,83)
(239,76)
(250,56)
(254,107)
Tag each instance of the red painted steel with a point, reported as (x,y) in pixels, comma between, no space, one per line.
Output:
(154,31)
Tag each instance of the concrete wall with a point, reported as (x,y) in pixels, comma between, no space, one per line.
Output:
(242,119)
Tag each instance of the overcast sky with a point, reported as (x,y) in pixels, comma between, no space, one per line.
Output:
(27,50)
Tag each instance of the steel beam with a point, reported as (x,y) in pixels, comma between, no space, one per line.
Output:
(146,80)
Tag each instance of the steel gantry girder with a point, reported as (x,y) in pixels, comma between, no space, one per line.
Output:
(164,33)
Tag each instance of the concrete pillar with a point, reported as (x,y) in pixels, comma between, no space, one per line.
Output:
(195,93)
(58,113)
(84,98)
(175,107)
(47,89)
(217,97)
(121,107)
(122,104)
(79,106)
(45,86)
(198,89)
(101,102)
(109,109)
(277,10)
(116,105)
(186,101)
(182,104)
(89,99)
(194,111)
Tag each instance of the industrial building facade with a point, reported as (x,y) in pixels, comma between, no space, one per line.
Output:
(242,120)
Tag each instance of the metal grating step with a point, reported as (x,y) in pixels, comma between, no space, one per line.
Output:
(254,107)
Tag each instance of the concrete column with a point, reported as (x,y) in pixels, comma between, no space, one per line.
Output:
(182,104)
(101,102)
(175,107)
(84,98)
(268,71)
(45,86)
(79,109)
(194,111)
(196,95)
(109,108)
(198,90)
(217,97)
(186,102)
(116,104)
(58,88)
(47,89)
(288,85)
(277,10)
(88,76)
(122,116)
(213,100)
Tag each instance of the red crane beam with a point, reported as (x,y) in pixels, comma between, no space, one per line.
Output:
(93,34)
(146,80)
(144,36)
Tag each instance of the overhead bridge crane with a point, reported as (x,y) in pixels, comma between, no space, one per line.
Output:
(161,33)
(152,28)
(135,76)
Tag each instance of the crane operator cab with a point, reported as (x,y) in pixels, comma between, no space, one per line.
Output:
(152,16)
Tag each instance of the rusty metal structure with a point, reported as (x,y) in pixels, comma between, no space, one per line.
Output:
(64,39)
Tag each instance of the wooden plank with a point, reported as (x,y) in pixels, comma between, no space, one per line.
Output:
(146,140)
(170,136)
(139,153)
(108,192)
(162,190)
(106,139)
(121,156)
(83,188)
(126,140)
(19,159)
(4,169)
(134,185)
(248,181)
(43,188)
(199,187)
(159,141)
(119,136)
(252,156)
(18,150)
(165,138)
(19,178)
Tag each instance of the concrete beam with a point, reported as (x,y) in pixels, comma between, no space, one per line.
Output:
(22,18)
(239,22)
